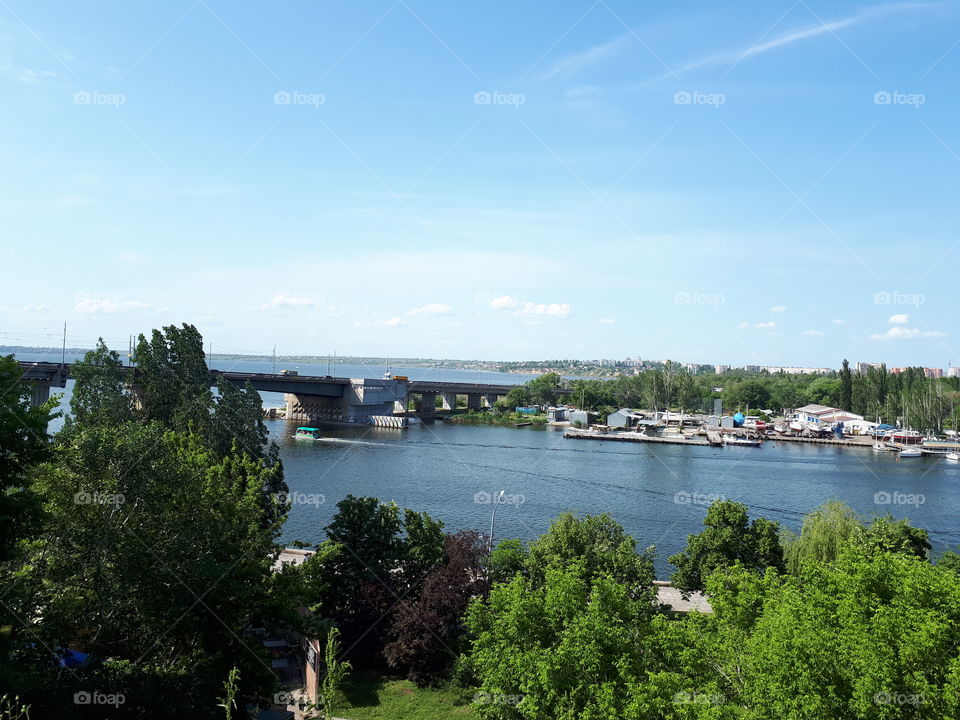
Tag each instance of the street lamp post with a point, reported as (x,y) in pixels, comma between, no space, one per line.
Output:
(493,517)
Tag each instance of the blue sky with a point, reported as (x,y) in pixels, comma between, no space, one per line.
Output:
(773,183)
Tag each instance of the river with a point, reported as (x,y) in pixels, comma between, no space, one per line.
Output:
(658,492)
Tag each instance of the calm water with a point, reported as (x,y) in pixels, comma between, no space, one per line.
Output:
(659,493)
(656,492)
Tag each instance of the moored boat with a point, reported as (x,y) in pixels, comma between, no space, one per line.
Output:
(910,452)
(955,457)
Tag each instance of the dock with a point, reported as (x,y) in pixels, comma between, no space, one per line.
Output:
(637,437)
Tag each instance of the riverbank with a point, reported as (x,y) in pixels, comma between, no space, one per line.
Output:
(489,418)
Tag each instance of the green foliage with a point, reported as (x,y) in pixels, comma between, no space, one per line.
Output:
(730,538)
(229,701)
(335,673)
(591,547)
(509,558)
(99,396)
(172,379)
(23,443)
(834,526)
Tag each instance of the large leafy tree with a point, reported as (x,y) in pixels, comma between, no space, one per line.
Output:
(157,555)
(172,382)
(99,396)
(24,442)
(729,538)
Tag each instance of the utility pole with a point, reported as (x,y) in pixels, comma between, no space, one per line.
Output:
(274,359)
(63,352)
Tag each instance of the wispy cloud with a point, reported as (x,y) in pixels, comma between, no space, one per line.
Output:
(578,61)
(793,36)
(905,333)
(91,304)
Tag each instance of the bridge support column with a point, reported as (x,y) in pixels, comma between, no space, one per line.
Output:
(41,393)
(490,399)
(473,401)
(449,400)
(428,404)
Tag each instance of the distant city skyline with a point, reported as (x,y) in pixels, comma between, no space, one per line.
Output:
(762,184)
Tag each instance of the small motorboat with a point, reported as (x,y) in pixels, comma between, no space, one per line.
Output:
(911,452)
(742,441)
(880,447)
(955,457)
(307,433)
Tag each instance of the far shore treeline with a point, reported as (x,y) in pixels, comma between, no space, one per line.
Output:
(137,551)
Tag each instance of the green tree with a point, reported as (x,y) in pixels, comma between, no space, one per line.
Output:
(590,547)
(543,389)
(172,380)
(729,538)
(846,387)
(99,396)
(508,558)
(518,396)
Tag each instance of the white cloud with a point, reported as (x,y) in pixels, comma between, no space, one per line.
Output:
(390,322)
(905,333)
(88,304)
(901,319)
(504,302)
(813,333)
(796,35)
(607,321)
(580,60)
(778,308)
(760,325)
(838,321)
(437,308)
(282,301)
(522,308)
(559,310)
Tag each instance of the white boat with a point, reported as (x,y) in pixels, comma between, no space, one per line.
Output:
(307,433)
(953,456)
(797,426)
(911,452)
(780,428)
(880,447)
(745,442)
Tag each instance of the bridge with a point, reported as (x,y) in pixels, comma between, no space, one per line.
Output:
(318,397)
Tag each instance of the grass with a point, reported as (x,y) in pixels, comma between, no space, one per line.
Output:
(374,697)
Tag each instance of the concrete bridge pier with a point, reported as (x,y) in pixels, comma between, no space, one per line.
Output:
(41,393)
(448,400)
(473,401)
(427,407)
